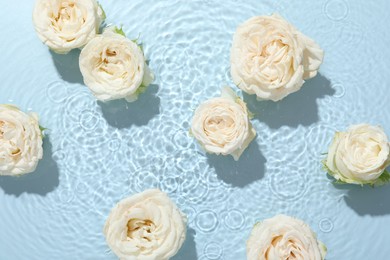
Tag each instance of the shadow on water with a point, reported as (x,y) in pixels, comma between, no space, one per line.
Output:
(299,108)
(249,168)
(44,180)
(67,66)
(188,250)
(122,114)
(367,200)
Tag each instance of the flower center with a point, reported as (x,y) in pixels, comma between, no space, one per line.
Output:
(284,249)
(219,122)
(140,229)
(67,18)
(111,63)
(365,152)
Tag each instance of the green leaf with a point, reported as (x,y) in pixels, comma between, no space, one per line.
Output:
(338,182)
(42,130)
(383,179)
(119,31)
(136,41)
(250,114)
(325,168)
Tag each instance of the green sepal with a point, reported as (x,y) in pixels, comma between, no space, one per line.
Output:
(239,100)
(339,182)
(119,31)
(104,16)
(140,45)
(141,89)
(383,179)
(250,114)
(42,130)
(336,181)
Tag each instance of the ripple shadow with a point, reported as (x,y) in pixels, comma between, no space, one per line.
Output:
(122,114)
(44,180)
(68,67)
(249,168)
(299,108)
(367,200)
(188,250)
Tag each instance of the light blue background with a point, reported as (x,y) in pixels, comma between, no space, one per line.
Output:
(96,154)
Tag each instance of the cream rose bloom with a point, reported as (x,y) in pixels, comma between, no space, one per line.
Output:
(270,58)
(64,25)
(20,141)
(145,226)
(114,67)
(222,126)
(359,156)
(284,237)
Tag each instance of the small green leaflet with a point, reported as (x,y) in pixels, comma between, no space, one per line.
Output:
(42,130)
(141,89)
(383,179)
(338,182)
(119,31)
(250,114)
(136,40)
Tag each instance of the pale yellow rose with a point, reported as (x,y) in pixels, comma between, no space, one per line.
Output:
(359,156)
(284,237)
(20,141)
(222,125)
(64,25)
(114,67)
(145,226)
(270,58)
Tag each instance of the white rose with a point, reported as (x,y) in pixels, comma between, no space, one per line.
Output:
(222,126)
(359,156)
(114,67)
(147,225)
(270,58)
(284,237)
(64,25)
(20,141)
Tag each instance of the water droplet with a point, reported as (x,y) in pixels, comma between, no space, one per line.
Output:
(336,10)
(234,219)
(213,251)
(340,90)
(88,120)
(207,221)
(290,185)
(57,91)
(326,225)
